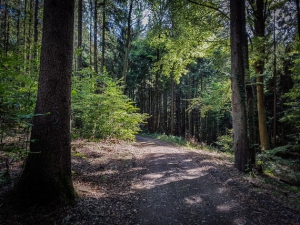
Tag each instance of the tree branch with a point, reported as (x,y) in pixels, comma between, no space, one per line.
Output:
(210,7)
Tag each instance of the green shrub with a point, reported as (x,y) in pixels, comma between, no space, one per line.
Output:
(225,142)
(101,110)
(282,162)
(18,90)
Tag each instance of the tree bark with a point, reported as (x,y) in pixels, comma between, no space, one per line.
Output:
(5,19)
(274,87)
(157,95)
(7,31)
(47,174)
(103,36)
(36,21)
(90,25)
(18,25)
(172,103)
(128,40)
(178,126)
(239,116)
(259,65)
(298,17)
(79,45)
(24,33)
(165,112)
(250,97)
(95,36)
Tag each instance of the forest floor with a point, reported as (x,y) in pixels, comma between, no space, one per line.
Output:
(153,182)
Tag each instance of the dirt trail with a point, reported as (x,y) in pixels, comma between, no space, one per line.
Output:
(178,188)
(152,182)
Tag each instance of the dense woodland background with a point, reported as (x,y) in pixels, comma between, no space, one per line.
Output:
(163,65)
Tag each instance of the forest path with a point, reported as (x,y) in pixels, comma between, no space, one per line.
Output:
(151,182)
(178,187)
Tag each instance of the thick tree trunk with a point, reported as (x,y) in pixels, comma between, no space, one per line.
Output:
(239,117)
(47,174)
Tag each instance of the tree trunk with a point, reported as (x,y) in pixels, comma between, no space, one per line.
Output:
(274,88)
(36,21)
(298,17)
(165,112)
(172,107)
(103,37)
(95,36)
(250,98)
(79,44)
(7,30)
(178,113)
(29,36)
(239,118)
(127,45)
(24,34)
(18,25)
(157,96)
(5,19)
(90,25)
(47,174)
(259,64)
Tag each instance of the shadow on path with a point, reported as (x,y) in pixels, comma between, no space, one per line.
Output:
(155,183)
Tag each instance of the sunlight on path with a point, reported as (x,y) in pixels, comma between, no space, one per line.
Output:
(175,189)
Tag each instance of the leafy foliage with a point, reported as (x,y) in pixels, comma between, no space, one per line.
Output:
(225,142)
(282,162)
(18,88)
(292,114)
(101,110)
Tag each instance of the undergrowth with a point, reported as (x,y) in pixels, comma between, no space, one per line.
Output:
(282,162)
(180,141)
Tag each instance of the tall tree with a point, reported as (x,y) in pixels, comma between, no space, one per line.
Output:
(95,36)
(239,116)
(103,35)
(274,86)
(260,16)
(47,174)
(36,21)
(298,17)
(128,40)
(79,46)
